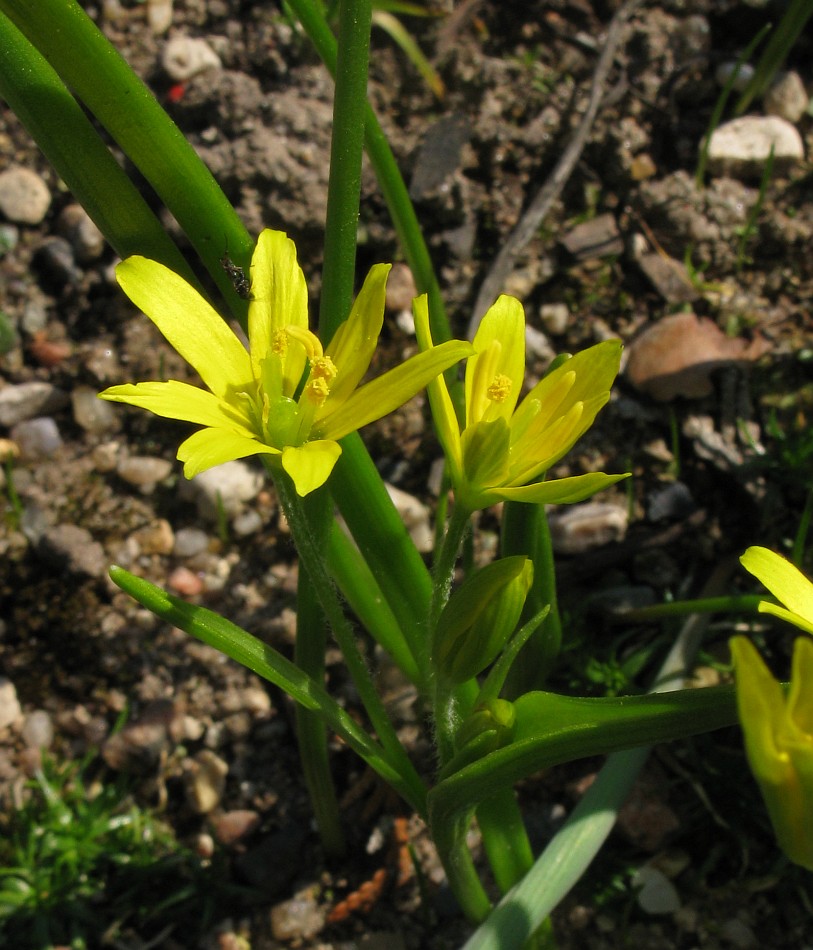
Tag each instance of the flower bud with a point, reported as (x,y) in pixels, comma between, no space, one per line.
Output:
(778,734)
(480,617)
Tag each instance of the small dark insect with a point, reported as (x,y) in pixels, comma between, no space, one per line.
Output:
(237,276)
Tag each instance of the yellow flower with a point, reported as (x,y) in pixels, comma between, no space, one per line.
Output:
(778,734)
(786,583)
(261,401)
(505,449)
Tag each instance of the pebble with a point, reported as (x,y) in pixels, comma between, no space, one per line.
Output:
(24,196)
(155,538)
(737,933)
(9,236)
(232,826)
(38,730)
(415,516)
(10,709)
(725,71)
(230,485)
(787,97)
(578,528)
(105,456)
(741,147)
(55,259)
(186,56)
(143,471)
(73,549)
(401,289)
(35,315)
(139,746)
(205,781)
(189,542)
(27,400)
(37,438)
(78,228)
(299,918)
(657,894)
(159,16)
(185,582)
(537,344)
(93,414)
(247,522)
(554,317)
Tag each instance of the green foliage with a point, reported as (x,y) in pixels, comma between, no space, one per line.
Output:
(82,864)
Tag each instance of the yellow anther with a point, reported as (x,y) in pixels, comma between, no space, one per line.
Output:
(279,344)
(317,391)
(313,348)
(500,388)
(323,367)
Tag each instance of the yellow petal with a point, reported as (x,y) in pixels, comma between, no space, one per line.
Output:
(279,297)
(443,413)
(784,581)
(210,447)
(188,322)
(354,343)
(310,465)
(800,698)
(560,491)
(391,390)
(503,324)
(176,400)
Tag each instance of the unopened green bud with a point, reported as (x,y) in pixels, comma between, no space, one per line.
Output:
(480,617)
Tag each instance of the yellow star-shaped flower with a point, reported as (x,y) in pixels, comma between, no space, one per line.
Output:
(286,396)
(505,448)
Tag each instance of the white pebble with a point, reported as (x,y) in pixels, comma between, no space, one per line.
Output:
(186,56)
(24,196)
(143,471)
(91,413)
(26,400)
(189,542)
(38,730)
(10,709)
(37,438)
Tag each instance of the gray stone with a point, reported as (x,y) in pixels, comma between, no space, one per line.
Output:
(73,549)
(76,226)
(24,196)
(787,97)
(741,147)
(186,56)
(226,487)
(599,237)
(189,542)
(657,894)
(93,414)
(578,528)
(143,471)
(726,70)
(56,259)
(38,730)
(27,400)
(37,438)
(10,709)
(554,317)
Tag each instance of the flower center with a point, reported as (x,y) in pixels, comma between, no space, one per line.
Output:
(500,388)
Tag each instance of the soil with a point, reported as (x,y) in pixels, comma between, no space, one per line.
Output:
(716,467)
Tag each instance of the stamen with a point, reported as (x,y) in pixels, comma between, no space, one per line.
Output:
(324,368)
(310,342)
(500,388)
(317,391)
(279,344)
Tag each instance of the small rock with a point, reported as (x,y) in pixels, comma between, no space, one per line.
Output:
(669,277)
(738,934)
(143,471)
(205,781)
(38,730)
(37,438)
(76,225)
(10,710)
(140,745)
(578,528)
(26,400)
(159,16)
(299,918)
(189,542)
(537,344)
(643,167)
(415,516)
(740,148)
(247,523)
(554,317)
(185,582)
(401,289)
(105,456)
(57,263)
(186,56)
(233,826)
(673,502)
(73,549)
(24,196)
(787,97)
(657,894)
(155,538)
(93,414)
(599,237)
(726,70)
(228,487)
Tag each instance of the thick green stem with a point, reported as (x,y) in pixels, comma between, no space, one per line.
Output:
(505,839)
(309,656)
(347,148)
(311,556)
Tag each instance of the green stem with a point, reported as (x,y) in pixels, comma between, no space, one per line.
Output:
(680,608)
(99,76)
(347,148)
(505,839)
(309,656)
(74,148)
(310,555)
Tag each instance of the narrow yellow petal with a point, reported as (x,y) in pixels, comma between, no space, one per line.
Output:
(783,580)
(188,322)
(560,491)
(176,400)
(800,698)
(279,297)
(443,413)
(789,616)
(310,465)
(504,323)
(391,390)
(354,343)
(209,447)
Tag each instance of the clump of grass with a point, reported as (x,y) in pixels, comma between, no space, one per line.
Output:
(83,865)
